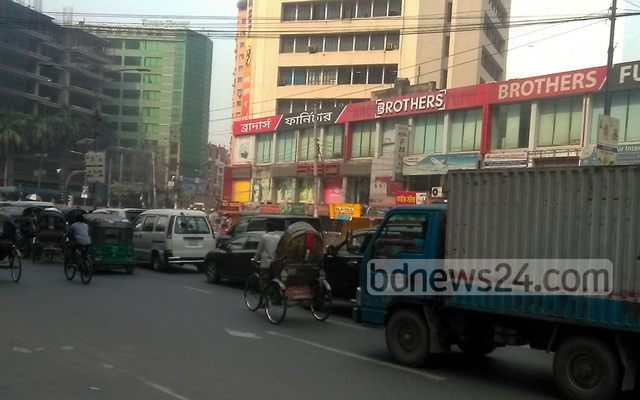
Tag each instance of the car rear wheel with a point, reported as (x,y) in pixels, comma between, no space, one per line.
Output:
(213,275)
(156,262)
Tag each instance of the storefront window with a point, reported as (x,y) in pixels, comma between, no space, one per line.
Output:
(286,145)
(263,147)
(560,121)
(363,139)
(625,105)
(306,190)
(285,191)
(429,132)
(358,191)
(332,143)
(306,150)
(465,130)
(510,126)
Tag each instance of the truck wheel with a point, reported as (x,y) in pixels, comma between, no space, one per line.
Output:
(585,368)
(407,337)
(472,349)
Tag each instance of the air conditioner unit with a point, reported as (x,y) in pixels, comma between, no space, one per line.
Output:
(312,49)
(282,82)
(390,46)
(436,192)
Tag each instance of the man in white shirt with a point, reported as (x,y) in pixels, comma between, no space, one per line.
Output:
(266,251)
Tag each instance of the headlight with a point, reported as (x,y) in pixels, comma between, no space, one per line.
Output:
(322,274)
(283,275)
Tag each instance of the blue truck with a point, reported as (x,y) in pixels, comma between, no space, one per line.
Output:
(548,258)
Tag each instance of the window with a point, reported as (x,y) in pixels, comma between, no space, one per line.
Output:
(333,10)
(510,126)
(465,130)
(306,150)
(188,224)
(314,76)
(132,44)
(625,106)
(304,12)
(133,78)
(289,12)
(316,42)
(153,62)
(364,9)
(363,139)
(287,44)
(429,133)
(111,110)
(395,7)
(331,42)
(402,233)
(115,43)
(344,75)
(153,78)
(346,42)
(332,142)
(263,147)
(129,127)
(116,60)
(151,95)
(286,145)
(390,73)
(329,76)
(285,76)
(375,74)
(377,42)
(161,224)
(379,8)
(149,128)
(150,111)
(302,44)
(362,42)
(132,61)
(153,45)
(115,93)
(318,11)
(299,76)
(560,121)
(130,94)
(359,74)
(149,223)
(131,111)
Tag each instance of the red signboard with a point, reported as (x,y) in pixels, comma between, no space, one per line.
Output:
(405,197)
(328,168)
(245,127)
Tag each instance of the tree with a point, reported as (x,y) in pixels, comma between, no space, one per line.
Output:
(11,138)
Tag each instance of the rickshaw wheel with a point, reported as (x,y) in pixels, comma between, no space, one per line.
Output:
(69,268)
(253,292)
(275,303)
(322,302)
(15,262)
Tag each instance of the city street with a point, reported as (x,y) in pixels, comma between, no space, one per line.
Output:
(173,336)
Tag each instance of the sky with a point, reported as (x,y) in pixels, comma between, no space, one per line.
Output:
(533,49)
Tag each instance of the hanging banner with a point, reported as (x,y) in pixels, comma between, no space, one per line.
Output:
(344,211)
(607,147)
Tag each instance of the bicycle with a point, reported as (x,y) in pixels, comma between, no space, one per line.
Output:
(78,260)
(254,289)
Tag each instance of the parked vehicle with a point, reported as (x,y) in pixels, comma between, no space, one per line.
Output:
(126,213)
(111,242)
(166,237)
(517,218)
(258,222)
(341,263)
(232,260)
(49,235)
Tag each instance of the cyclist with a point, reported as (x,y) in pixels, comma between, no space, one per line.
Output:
(78,234)
(266,251)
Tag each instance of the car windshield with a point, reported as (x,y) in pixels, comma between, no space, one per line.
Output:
(191,224)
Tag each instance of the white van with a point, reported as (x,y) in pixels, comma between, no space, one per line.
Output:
(166,237)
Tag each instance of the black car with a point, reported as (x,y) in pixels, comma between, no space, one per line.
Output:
(258,222)
(342,264)
(232,260)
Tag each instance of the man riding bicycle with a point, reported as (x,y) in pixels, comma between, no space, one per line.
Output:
(78,234)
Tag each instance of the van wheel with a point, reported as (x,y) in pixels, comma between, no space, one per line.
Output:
(156,263)
(407,337)
(213,275)
(585,368)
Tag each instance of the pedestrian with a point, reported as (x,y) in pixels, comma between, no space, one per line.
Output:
(266,251)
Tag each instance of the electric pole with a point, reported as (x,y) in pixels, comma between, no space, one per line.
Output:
(607,90)
(316,186)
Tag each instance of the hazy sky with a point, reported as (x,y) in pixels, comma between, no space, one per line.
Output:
(533,50)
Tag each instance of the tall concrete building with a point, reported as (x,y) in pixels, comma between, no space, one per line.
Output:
(293,54)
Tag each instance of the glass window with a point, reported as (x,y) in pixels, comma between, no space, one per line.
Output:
(129,77)
(393,38)
(130,94)
(129,127)
(117,60)
(116,43)
(286,44)
(153,78)
(560,121)
(364,9)
(346,42)
(304,12)
(318,11)
(263,147)
(362,42)
(349,9)
(375,74)
(115,93)
(332,141)
(110,109)
(161,223)
(344,75)
(329,76)
(299,76)
(132,61)
(289,12)
(151,95)
(363,139)
(149,223)
(359,74)
(191,224)
(379,8)
(510,127)
(153,62)
(429,132)
(331,42)
(377,41)
(402,233)
(390,73)
(153,45)
(130,110)
(132,44)
(306,149)
(465,130)
(314,76)
(149,128)
(302,44)
(286,145)
(285,76)
(237,243)
(150,111)
(333,10)
(316,42)
(625,106)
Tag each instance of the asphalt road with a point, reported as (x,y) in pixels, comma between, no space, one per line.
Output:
(174,336)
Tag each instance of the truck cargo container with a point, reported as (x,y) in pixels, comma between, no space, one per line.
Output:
(521,224)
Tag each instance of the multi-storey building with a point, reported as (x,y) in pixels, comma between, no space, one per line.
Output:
(292,56)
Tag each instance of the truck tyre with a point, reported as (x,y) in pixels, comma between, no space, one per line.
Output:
(585,368)
(407,337)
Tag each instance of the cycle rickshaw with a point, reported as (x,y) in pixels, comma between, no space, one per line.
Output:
(299,277)
(28,227)
(111,242)
(9,253)
(50,230)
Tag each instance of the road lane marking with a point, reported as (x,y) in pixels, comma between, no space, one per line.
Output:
(156,386)
(197,290)
(248,335)
(331,321)
(363,358)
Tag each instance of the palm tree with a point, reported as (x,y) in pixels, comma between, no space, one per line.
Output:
(11,138)
(43,129)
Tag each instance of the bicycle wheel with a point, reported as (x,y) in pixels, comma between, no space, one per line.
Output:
(322,301)
(275,303)
(253,292)
(15,263)
(86,268)
(69,267)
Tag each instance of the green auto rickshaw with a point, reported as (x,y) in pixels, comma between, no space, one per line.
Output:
(111,242)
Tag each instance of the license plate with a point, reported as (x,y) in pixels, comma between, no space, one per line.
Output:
(194,243)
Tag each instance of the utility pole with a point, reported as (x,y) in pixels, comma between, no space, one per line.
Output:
(607,90)
(316,186)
